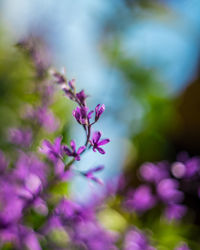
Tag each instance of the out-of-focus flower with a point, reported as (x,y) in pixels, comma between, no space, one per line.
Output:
(175,211)
(90,174)
(53,151)
(188,169)
(96,143)
(99,111)
(167,190)
(178,169)
(154,173)
(11,204)
(140,199)
(136,240)
(46,119)
(72,152)
(20,137)
(66,209)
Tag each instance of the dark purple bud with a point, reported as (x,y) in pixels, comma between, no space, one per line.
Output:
(69,93)
(58,77)
(99,111)
(72,84)
(82,116)
(81,96)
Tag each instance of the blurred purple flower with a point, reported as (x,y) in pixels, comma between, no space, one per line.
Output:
(192,167)
(178,169)
(136,240)
(11,205)
(53,151)
(167,190)
(187,169)
(99,111)
(90,174)
(95,237)
(72,152)
(175,211)
(154,173)
(66,209)
(20,137)
(140,199)
(46,119)
(96,143)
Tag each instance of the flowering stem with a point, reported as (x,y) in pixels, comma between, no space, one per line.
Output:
(88,134)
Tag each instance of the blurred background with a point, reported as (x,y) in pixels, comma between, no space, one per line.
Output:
(140,58)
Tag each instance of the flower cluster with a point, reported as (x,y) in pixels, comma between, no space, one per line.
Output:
(166,184)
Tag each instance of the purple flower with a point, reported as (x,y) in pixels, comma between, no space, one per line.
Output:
(136,240)
(53,151)
(11,204)
(32,174)
(20,137)
(90,174)
(81,96)
(46,119)
(67,209)
(96,143)
(141,199)
(178,169)
(82,116)
(168,191)
(72,152)
(154,173)
(95,237)
(175,211)
(187,169)
(99,111)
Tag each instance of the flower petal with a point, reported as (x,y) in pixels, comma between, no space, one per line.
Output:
(57,143)
(73,145)
(80,150)
(103,142)
(90,114)
(101,151)
(67,150)
(96,136)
